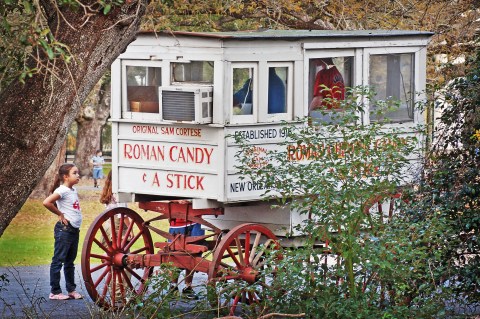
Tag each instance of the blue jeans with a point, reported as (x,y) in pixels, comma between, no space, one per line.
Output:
(97,173)
(65,252)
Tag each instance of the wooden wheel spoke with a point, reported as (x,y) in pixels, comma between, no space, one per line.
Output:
(260,254)
(234,258)
(258,236)
(102,265)
(128,232)
(127,280)
(247,246)
(240,251)
(134,274)
(100,245)
(134,239)
(145,248)
(102,257)
(101,277)
(106,238)
(107,283)
(113,232)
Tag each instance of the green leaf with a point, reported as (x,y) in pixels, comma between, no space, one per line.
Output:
(107,9)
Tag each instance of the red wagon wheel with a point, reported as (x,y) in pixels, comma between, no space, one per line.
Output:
(237,272)
(108,281)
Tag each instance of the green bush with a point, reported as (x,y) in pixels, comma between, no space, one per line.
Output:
(355,262)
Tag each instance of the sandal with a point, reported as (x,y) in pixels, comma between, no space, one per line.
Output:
(75,295)
(59,296)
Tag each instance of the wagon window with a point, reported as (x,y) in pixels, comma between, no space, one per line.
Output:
(277,90)
(243,88)
(328,78)
(142,88)
(391,78)
(194,71)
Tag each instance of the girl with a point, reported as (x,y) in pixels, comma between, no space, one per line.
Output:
(65,204)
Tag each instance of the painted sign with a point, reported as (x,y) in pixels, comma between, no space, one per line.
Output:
(168,132)
(168,183)
(178,156)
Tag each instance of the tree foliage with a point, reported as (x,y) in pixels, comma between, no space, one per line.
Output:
(56,51)
(451,189)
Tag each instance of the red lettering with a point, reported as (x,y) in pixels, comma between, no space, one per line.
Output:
(181,181)
(127,149)
(156,181)
(170,182)
(199,182)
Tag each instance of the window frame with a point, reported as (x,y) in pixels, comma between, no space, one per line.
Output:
(368,52)
(356,77)
(126,114)
(263,115)
(244,118)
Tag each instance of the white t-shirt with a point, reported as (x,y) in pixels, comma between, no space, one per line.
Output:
(69,205)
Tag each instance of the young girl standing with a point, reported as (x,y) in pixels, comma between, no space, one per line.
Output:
(65,204)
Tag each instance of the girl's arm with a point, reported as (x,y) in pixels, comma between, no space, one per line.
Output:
(49,203)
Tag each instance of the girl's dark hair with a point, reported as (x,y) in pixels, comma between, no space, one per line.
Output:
(107,194)
(62,171)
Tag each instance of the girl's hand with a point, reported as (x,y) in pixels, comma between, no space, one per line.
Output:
(62,219)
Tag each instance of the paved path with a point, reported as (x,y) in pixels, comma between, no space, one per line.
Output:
(26,295)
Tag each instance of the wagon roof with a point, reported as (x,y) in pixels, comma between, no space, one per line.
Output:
(294,34)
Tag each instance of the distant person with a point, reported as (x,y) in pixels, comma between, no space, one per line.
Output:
(64,203)
(97,161)
(329,87)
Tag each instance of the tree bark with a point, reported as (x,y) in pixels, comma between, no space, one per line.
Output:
(42,190)
(35,116)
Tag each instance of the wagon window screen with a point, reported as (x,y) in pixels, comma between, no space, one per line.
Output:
(277,90)
(243,95)
(142,88)
(328,78)
(194,72)
(391,79)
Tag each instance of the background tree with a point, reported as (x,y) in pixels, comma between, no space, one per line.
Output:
(61,51)
(93,116)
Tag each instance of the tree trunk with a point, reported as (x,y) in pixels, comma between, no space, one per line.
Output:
(90,122)
(42,190)
(35,116)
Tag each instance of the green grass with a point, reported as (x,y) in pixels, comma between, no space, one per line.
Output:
(28,240)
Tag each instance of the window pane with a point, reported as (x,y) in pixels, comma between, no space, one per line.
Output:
(328,78)
(243,91)
(277,93)
(142,88)
(391,78)
(194,71)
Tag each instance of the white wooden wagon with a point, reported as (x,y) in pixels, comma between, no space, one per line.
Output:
(175,101)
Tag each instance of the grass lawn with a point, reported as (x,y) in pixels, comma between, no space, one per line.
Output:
(28,240)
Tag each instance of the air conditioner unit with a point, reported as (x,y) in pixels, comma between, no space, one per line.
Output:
(186,103)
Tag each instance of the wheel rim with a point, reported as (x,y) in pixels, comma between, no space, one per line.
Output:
(235,261)
(108,281)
